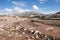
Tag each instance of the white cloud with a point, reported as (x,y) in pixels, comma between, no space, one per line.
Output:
(14,2)
(13,10)
(17,9)
(7,9)
(42,1)
(19,3)
(35,7)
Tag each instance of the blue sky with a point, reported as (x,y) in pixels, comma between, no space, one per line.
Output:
(44,6)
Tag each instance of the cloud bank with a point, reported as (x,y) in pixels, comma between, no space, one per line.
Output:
(35,7)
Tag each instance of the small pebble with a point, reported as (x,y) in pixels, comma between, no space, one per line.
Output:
(20,35)
(17,28)
(1,29)
(25,29)
(30,39)
(23,32)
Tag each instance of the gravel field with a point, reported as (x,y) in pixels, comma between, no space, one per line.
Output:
(16,28)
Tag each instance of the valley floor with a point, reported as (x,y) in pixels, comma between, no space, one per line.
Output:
(16,28)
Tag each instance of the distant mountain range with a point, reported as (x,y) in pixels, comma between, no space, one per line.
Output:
(38,15)
(53,16)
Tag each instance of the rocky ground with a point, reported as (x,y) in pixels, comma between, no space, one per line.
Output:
(16,28)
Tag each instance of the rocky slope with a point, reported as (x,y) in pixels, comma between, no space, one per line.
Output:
(16,28)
